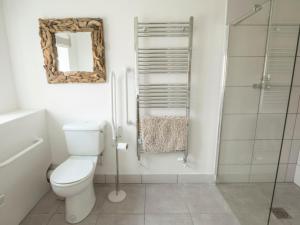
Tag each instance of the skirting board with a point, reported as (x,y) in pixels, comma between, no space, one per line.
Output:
(156,178)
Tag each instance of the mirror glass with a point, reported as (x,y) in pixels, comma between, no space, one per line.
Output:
(74,51)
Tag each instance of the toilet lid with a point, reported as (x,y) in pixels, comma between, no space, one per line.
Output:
(72,170)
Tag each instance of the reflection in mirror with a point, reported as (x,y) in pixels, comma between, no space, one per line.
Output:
(74,51)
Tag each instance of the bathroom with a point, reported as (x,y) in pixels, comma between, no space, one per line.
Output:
(229,68)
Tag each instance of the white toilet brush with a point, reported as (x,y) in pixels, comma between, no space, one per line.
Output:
(116,195)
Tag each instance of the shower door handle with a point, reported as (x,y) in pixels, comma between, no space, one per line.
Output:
(262,85)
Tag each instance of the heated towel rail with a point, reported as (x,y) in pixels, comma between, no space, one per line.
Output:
(167,62)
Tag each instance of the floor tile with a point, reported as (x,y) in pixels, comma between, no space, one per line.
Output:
(204,198)
(133,204)
(275,221)
(168,219)
(176,204)
(125,219)
(159,179)
(59,219)
(295,220)
(101,191)
(37,219)
(165,198)
(48,204)
(214,219)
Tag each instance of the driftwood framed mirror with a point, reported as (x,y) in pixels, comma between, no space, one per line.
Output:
(73,50)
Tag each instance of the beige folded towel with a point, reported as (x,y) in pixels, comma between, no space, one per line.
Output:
(164,134)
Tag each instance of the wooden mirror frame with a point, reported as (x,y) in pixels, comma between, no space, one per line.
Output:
(48,28)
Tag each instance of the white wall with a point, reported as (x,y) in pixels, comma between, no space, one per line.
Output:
(8,100)
(66,103)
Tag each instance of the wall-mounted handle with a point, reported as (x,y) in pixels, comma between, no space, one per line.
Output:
(10,160)
(126,96)
(113,105)
(263,85)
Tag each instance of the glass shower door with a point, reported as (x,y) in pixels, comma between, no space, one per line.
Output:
(255,123)
(286,199)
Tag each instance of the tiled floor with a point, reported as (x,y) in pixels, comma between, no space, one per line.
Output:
(250,202)
(146,204)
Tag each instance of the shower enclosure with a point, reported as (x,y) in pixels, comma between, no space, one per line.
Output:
(260,128)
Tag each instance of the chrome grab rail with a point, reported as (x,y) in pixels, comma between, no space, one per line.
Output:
(23,152)
(127,70)
(113,105)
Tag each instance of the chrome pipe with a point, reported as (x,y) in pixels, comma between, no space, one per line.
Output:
(163,107)
(163,96)
(256,8)
(155,69)
(164,100)
(171,53)
(154,26)
(164,65)
(127,70)
(163,103)
(169,30)
(169,49)
(113,105)
(162,60)
(162,35)
(155,23)
(163,84)
(145,89)
(162,56)
(162,72)
(168,91)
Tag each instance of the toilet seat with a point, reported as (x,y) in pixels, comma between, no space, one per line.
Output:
(71,171)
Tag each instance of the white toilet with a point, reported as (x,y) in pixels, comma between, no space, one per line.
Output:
(73,179)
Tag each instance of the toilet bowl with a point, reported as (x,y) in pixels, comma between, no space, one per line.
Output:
(73,180)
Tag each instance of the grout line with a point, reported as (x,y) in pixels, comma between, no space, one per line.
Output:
(145,199)
(98,218)
(50,218)
(186,205)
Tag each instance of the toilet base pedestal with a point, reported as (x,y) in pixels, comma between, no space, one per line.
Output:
(79,206)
